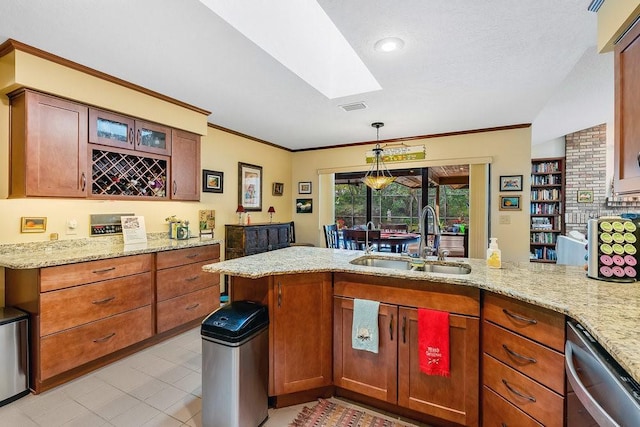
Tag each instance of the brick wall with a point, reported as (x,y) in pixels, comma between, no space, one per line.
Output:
(585,169)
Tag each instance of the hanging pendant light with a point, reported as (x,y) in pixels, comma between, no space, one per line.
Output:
(378,176)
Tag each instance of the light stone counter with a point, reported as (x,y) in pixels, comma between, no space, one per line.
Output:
(610,311)
(60,252)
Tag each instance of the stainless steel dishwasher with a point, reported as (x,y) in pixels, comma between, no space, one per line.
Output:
(14,359)
(599,391)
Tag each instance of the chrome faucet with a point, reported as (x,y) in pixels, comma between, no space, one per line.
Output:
(367,248)
(423,248)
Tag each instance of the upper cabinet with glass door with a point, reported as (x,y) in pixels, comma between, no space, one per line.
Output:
(116,130)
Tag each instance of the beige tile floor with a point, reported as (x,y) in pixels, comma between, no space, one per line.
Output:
(159,386)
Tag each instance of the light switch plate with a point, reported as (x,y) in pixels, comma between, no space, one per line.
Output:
(504,219)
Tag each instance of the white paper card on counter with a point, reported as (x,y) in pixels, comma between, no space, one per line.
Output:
(133,230)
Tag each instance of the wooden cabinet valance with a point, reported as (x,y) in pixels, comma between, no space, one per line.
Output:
(61,148)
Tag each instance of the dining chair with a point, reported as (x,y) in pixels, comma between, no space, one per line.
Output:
(331,238)
(356,239)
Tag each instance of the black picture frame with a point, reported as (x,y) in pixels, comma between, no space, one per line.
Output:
(304,187)
(304,206)
(250,187)
(212,181)
(510,203)
(510,182)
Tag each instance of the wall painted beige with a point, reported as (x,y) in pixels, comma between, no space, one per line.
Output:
(508,152)
(614,17)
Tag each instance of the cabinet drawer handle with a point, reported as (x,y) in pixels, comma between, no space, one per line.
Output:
(104,270)
(138,137)
(516,392)
(193,307)
(518,355)
(191,256)
(83,179)
(519,317)
(103,301)
(279,294)
(105,338)
(404,329)
(131,136)
(191,279)
(175,187)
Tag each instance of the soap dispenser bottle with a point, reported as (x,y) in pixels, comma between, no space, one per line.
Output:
(494,255)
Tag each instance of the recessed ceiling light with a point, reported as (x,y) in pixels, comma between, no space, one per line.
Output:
(389,44)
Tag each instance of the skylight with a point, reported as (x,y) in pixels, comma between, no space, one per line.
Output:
(300,35)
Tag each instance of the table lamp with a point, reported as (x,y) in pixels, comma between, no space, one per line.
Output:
(240,211)
(271,211)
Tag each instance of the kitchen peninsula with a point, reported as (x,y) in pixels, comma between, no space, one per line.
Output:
(93,301)
(609,311)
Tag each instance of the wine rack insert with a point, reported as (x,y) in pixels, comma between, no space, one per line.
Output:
(120,173)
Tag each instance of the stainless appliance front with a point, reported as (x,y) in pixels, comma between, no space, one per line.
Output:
(599,390)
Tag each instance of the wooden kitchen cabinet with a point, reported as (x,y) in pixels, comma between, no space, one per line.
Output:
(363,372)
(627,109)
(185,292)
(393,375)
(48,146)
(82,312)
(117,130)
(242,240)
(185,169)
(301,322)
(523,363)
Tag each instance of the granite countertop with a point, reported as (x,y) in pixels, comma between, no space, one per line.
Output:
(609,311)
(60,252)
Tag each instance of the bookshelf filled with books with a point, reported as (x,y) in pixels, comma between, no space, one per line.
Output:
(547,208)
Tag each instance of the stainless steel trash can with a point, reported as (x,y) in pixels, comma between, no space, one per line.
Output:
(235,356)
(14,357)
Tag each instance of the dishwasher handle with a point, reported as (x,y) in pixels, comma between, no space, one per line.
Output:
(594,409)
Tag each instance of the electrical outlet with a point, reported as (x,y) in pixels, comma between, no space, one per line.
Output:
(504,219)
(72,226)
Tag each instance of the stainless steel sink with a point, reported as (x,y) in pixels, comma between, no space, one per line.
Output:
(411,264)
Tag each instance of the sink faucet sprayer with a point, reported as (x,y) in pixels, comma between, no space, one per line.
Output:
(423,248)
(367,248)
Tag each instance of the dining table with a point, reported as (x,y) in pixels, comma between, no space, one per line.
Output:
(397,240)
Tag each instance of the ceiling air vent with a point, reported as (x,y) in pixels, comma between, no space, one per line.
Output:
(354,106)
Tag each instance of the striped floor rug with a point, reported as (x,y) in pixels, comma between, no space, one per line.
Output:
(330,414)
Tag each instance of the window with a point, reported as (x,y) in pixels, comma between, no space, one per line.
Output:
(401,202)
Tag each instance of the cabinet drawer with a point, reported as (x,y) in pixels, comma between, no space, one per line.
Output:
(497,412)
(180,310)
(74,347)
(64,276)
(178,257)
(539,324)
(532,359)
(536,400)
(172,282)
(75,306)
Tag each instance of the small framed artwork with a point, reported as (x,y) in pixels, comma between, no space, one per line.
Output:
(510,182)
(33,224)
(278,189)
(585,196)
(250,186)
(304,187)
(510,203)
(304,205)
(212,181)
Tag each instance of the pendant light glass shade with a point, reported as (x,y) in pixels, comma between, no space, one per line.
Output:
(378,176)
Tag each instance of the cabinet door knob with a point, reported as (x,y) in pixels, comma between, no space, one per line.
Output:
(404,329)
(175,187)
(131,136)
(138,137)
(391,327)
(639,159)
(83,179)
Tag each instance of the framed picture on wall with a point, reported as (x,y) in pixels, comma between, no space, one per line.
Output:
(304,187)
(278,189)
(510,182)
(510,203)
(585,196)
(250,186)
(212,181)
(33,224)
(304,205)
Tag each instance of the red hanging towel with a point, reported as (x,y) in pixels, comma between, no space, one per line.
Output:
(433,342)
